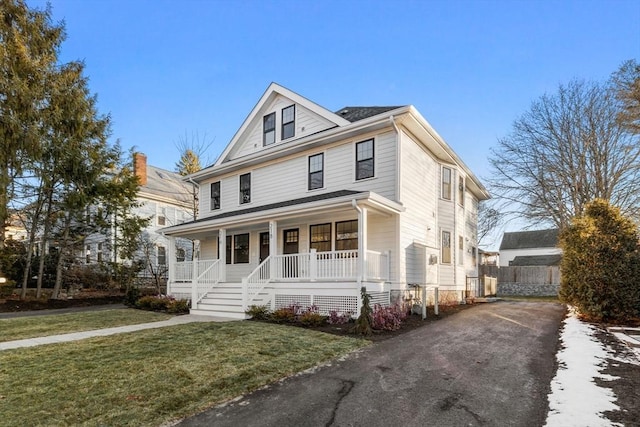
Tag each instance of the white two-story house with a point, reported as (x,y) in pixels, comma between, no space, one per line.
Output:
(306,206)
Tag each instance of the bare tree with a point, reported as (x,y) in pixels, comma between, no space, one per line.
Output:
(489,219)
(192,151)
(627,86)
(567,150)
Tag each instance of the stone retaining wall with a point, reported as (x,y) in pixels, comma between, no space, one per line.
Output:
(527,289)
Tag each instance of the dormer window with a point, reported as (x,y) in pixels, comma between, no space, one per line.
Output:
(288,121)
(269,129)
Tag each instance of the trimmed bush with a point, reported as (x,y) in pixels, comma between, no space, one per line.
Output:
(388,318)
(601,264)
(363,322)
(163,303)
(259,312)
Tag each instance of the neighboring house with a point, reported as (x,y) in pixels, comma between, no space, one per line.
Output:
(306,206)
(530,248)
(489,257)
(15,228)
(167,201)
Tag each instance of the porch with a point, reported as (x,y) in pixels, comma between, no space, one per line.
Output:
(328,280)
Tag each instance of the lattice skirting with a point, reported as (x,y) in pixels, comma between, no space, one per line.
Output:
(325,303)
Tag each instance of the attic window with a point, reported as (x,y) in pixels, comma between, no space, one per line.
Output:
(269,129)
(288,121)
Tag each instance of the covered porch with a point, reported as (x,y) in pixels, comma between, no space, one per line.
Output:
(311,254)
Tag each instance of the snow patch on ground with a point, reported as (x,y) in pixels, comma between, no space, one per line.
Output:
(575,399)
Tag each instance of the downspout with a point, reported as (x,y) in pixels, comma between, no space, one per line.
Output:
(454,242)
(360,252)
(396,250)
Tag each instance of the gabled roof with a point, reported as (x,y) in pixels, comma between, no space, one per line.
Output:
(530,239)
(258,111)
(167,186)
(536,260)
(353,114)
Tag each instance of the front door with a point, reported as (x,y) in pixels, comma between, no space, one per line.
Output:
(290,239)
(264,246)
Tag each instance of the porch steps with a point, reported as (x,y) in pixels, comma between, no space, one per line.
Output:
(225,300)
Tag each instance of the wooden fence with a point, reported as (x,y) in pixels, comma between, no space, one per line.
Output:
(525,280)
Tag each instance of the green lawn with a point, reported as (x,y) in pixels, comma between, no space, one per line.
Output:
(40,326)
(154,376)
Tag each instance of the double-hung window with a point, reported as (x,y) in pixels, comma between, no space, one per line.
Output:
(446,183)
(364,159)
(461,190)
(162,255)
(215,195)
(269,129)
(288,121)
(316,171)
(241,248)
(347,235)
(237,249)
(320,236)
(245,188)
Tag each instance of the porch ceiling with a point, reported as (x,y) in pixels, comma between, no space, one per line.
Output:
(289,211)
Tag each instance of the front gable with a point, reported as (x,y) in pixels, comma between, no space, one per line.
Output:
(290,117)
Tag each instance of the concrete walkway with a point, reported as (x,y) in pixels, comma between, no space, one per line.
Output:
(76,336)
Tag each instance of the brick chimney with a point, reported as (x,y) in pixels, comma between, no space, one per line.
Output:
(140,167)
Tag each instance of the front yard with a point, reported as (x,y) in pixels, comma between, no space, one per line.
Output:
(154,376)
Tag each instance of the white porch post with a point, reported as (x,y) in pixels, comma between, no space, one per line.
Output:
(222,254)
(273,247)
(194,274)
(362,244)
(313,266)
(171,263)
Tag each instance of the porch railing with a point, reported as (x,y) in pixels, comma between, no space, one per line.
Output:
(316,265)
(377,267)
(207,276)
(253,284)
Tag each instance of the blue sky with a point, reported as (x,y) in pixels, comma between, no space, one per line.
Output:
(166,69)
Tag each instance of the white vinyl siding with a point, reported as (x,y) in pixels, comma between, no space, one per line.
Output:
(287,178)
(306,123)
(418,228)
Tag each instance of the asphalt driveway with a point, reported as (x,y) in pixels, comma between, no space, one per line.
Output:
(489,365)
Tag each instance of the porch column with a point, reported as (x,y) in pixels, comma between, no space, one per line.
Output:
(273,247)
(222,254)
(171,263)
(362,242)
(194,274)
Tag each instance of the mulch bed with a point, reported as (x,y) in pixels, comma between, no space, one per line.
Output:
(410,323)
(82,299)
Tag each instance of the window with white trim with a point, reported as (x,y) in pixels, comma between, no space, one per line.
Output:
(245,188)
(347,235)
(446,183)
(215,195)
(162,255)
(320,237)
(288,122)
(364,159)
(316,171)
(269,129)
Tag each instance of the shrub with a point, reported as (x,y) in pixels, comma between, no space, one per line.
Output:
(287,314)
(337,318)
(7,288)
(131,297)
(309,318)
(153,303)
(601,264)
(178,306)
(259,312)
(363,323)
(388,318)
